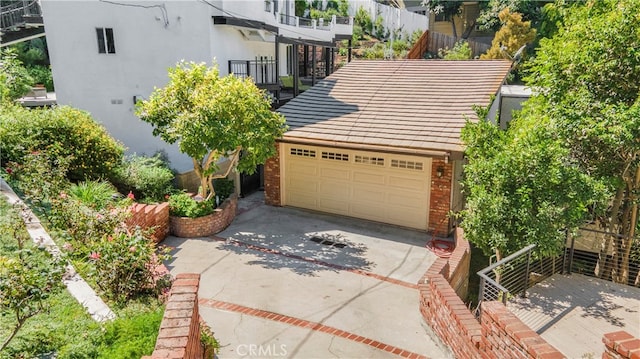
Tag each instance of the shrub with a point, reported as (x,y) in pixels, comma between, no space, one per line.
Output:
(183,205)
(83,225)
(363,20)
(460,51)
(40,176)
(125,266)
(149,178)
(224,188)
(63,132)
(27,277)
(94,194)
(41,75)
(131,336)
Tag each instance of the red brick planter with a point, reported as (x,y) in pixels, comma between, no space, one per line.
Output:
(213,223)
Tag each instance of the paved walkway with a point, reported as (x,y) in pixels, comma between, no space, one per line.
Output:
(270,289)
(573,312)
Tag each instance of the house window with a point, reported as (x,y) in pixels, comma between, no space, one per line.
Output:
(106,45)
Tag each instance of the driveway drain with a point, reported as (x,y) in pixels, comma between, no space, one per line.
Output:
(327,242)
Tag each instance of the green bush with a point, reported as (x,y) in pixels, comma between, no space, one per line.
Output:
(460,51)
(63,132)
(132,336)
(149,178)
(224,188)
(363,20)
(125,266)
(183,205)
(94,194)
(41,75)
(40,176)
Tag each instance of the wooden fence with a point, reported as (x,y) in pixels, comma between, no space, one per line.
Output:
(434,41)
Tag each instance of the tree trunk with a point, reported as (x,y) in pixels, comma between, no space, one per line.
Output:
(632,225)
(603,260)
(453,27)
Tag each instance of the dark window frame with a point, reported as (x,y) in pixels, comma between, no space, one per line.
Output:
(106,42)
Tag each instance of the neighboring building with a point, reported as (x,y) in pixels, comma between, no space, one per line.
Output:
(380,140)
(465,22)
(106,55)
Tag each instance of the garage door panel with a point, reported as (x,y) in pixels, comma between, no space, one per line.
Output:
(303,168)
(334,173)
(333,189)
(333,206)
(303,186)
(359,184)
(368,178)
(405,182)
(372,212)
(300,199)
(374,195)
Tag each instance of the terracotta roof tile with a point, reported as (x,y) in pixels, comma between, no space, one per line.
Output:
(421,104)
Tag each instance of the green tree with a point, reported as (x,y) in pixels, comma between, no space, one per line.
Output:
(15,80)
(213,117)
(461,51)
(513,34)
(531,10)
(520,188)
(588,81)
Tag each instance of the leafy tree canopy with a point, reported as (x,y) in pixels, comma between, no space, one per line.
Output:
(513,34)
(588,78)
(520,187)
(212,117)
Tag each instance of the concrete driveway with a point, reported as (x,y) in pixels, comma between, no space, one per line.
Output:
(286,283)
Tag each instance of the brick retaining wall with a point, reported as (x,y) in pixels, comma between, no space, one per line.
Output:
(621,345)
(151,216)
(498,334)
(207,225)
(179,335)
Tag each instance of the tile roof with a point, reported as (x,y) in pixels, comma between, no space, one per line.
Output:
(409,105)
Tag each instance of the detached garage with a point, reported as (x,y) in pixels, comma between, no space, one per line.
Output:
(380,140)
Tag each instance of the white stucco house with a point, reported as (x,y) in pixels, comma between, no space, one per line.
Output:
(106,55)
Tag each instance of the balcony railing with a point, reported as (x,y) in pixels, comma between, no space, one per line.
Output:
(262,69)
(15,14)
(321,24)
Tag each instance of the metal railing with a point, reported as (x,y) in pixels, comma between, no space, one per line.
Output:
(515,274)
(518,272)
(262,70)
(14,14)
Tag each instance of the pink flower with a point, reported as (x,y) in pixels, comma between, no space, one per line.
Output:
(63,195)
(110,239)
(99,216)
(94,256)
(130,195)
(67,247)
(132,249)
(9,170)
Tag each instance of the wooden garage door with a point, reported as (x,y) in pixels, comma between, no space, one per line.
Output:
(375,186)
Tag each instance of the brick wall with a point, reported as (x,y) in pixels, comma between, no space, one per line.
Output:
(151,216)
(272,179)
(498,333)
(179,335)
(621,345)
(206,225)
(440,198)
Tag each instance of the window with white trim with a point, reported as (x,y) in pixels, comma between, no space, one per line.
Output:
(106,45)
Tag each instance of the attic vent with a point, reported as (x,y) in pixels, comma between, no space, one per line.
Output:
(407,164)
(335,156)
(303,153)
(370,160)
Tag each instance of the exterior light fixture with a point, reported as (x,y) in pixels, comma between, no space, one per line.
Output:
(440,172)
